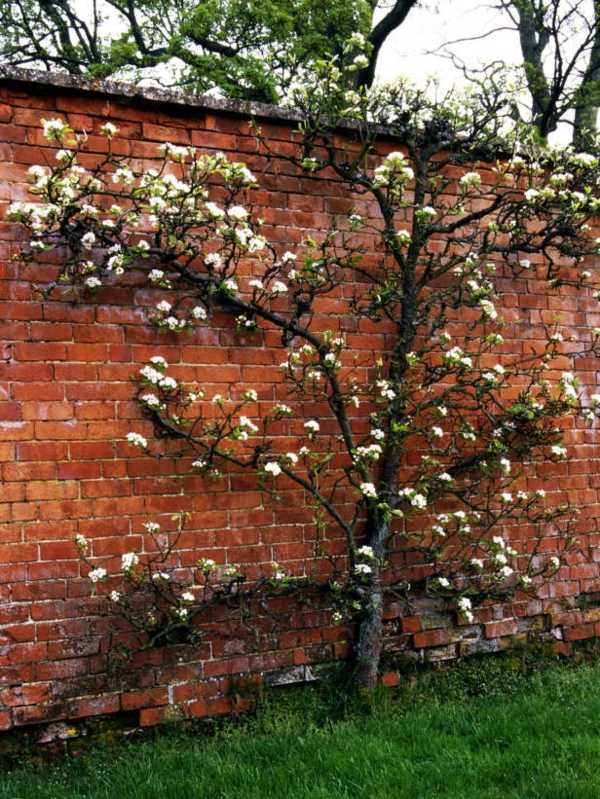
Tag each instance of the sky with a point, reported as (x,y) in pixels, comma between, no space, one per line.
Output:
(405,51)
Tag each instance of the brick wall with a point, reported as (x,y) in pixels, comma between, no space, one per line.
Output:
(66,403)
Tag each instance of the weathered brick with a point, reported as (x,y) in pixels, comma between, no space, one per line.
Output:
(431,638)
(497,629)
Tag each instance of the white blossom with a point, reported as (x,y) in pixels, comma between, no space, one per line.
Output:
(88,240)
(366,552)
(151,375)
(137,440)
(152,527)
(237,213)
(54,129)
(151,400)
(168,383)
(416,499)
(385,391)
(214,211)
(368,490)
(248,424)
(129,560)
(230,285)
(108,129)
(505,465)
(470,180)
(213,259)
(97,574)
(273,468)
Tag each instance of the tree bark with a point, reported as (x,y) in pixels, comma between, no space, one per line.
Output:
(392,20)
(587,99)
(534,39)
(370,642)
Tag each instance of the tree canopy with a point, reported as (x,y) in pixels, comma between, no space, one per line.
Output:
(251,50)
(257,50)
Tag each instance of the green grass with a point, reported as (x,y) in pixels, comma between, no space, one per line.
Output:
(483,731)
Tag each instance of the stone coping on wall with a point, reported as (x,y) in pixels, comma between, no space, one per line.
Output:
(136,94)
(147,95)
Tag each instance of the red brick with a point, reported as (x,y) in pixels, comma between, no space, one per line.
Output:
(580,631)
(498,629)
(390,679)
(150,716)
(151,697)
(411,624)
(431,638)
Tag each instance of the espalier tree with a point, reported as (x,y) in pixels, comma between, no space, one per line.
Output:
(432,438)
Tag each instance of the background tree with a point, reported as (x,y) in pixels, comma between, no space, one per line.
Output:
(251,50)
(560,46)
(426,446)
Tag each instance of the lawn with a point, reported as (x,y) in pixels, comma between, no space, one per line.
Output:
(521,737)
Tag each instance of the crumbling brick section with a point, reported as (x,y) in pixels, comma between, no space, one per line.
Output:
(66,404)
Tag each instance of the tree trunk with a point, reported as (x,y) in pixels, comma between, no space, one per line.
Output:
(369,643)
(585,125)
(587,99)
